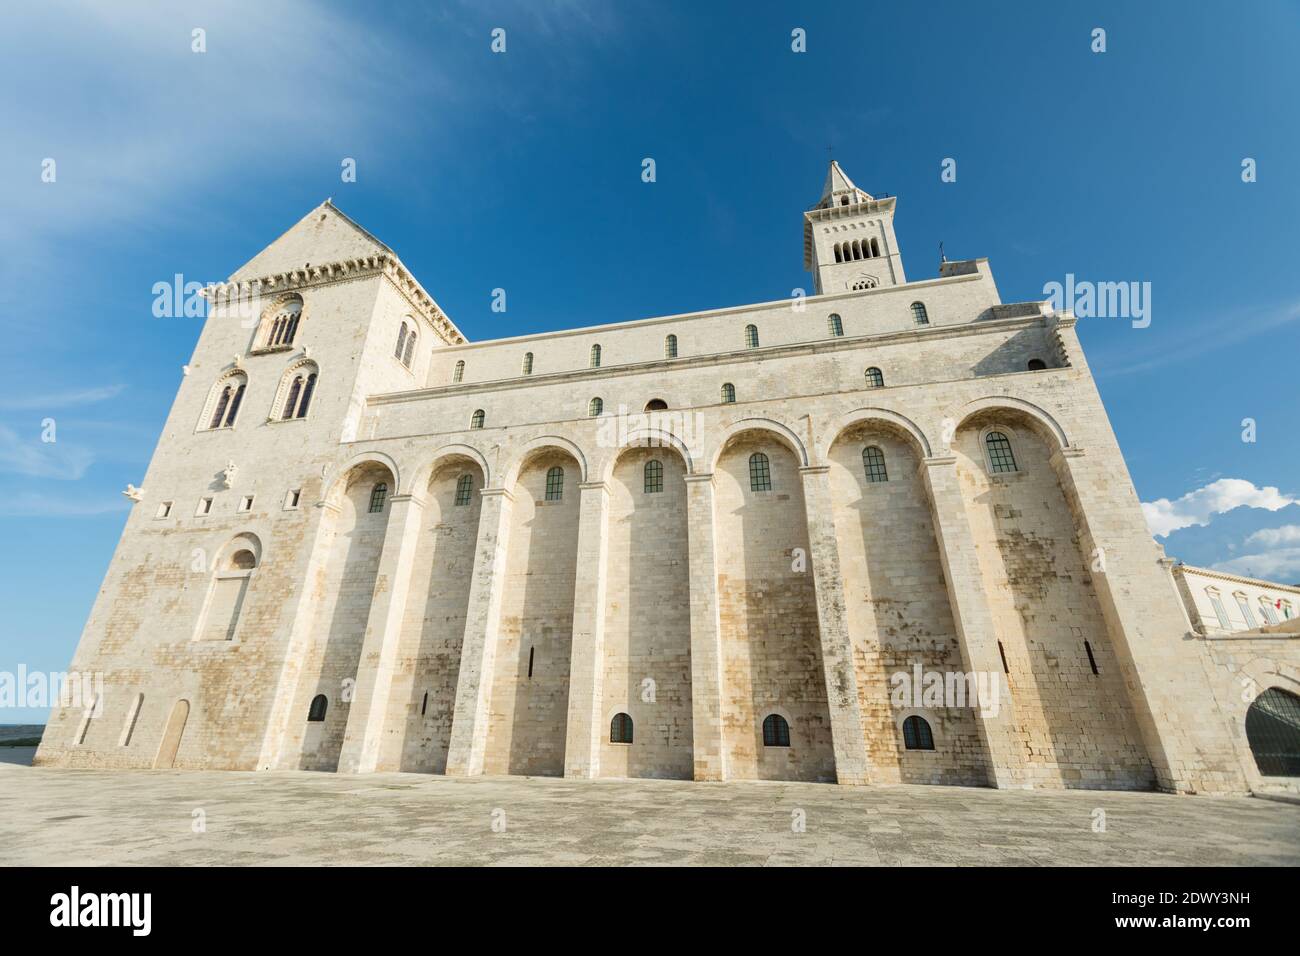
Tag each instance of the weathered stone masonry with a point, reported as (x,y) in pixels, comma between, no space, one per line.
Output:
(450,565)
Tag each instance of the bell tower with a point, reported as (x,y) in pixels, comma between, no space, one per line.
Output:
(848,239)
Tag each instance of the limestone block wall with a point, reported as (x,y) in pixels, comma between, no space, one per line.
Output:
(423,694)
(530,686)
(897,605)
(1077,726)
(771,650)
(648,620)
(342,598)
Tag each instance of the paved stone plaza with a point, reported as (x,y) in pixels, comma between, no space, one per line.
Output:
(93,817)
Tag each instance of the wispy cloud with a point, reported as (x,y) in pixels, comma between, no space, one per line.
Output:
(31,457)
(1197,507)
(72,398)
(40,505)
(1228,330)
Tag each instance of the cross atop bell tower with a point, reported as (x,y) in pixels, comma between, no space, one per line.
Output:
(848,238)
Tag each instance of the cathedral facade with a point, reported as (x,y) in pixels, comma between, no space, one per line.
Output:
(761,542)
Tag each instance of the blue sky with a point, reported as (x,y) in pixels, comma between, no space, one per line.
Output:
(522,170)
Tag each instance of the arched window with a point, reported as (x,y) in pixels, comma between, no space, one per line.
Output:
(919,315)
(857,249)
(760,472)
(280,322)
(654,477)
(305,401)
(670,347)
(458,374)
(1036,365)
(875,378)
(478,418)
(219,412)
(401,342)
(728,394)
(861,284)
(297,388)
(836,326)
(1273,731)
(555,483)
(319,704)
(751,336)
(873,462)
(620,729)
(875,248)
(839,255)
(132,715)
(595,356)
(776,731)
(409,354)
(528,363)
(595,407)
(225,400)
(656,405)
(377,496)
(916,734)
(464,488)
(1001,458)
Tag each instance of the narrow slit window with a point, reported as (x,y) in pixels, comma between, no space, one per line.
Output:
(595,356)
(1092,661)
(458,373)
(670,347)
(528,363)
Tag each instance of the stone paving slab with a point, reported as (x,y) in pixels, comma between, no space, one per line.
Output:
(95,817)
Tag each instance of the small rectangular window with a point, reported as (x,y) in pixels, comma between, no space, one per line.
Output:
(292,498)
(164,510)
(205,507)
(246,503)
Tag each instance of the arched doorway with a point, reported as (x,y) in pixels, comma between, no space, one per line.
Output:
(171,739)
(1273,730)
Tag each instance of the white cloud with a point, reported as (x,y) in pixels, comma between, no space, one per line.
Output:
(1272,537)
(1282,565)
(1197,507)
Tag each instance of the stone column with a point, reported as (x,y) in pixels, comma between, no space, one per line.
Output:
(975,627)
(587,648)
(469,724)
(1190,748)
(369,713)
(845,708)
(706,633)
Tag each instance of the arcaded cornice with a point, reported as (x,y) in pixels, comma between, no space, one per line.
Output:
(346,270)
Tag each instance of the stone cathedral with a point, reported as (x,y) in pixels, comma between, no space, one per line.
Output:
(699,546)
